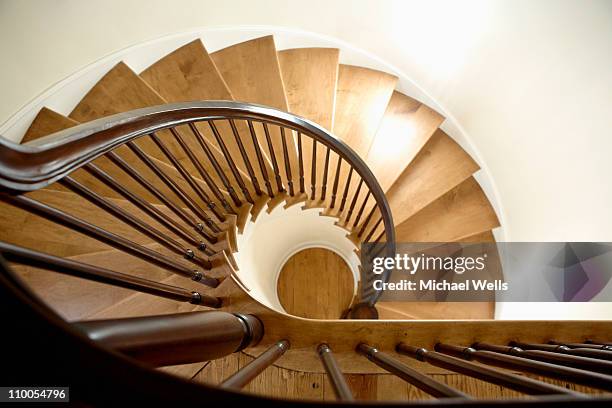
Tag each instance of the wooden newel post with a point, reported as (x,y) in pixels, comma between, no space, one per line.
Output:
(176,338)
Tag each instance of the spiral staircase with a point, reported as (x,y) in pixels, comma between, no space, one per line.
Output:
(122,224)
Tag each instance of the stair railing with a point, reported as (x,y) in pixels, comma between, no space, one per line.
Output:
(164,149)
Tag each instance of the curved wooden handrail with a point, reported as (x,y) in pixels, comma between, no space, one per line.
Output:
(42,162)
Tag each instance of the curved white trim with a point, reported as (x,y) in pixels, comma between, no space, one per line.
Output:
(139,56)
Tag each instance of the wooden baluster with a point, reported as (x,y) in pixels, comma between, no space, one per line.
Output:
(173,339)
(360,212)
(584,352)
(107,237)
(563,373)
(176,189)
(203,195)
(147,207)
(352,207)
(587,343)
(202,171)
(419,380)
(260,159)
(277,177)
(232,165)
(367,238)
(176,209)
(586,363)
(245,158)
(336,378)
(367,221)
(133,221)
(506,379)
(313,170)
(246,374)
(336,181)
(325,171)
(301,164)
(583,345)
(346,188)
(287,162)
(77,269)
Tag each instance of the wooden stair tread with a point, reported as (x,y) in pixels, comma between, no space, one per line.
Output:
(461,212)
(187,74)
(62,241)
(440,165)
(121,90)
(310,76)
(405,128)
(75,298)
(49,119)
(441,310)
(46,122)
(23,228)
(251,71)
(143,304)
(362,96)
(79,207)
(435,310)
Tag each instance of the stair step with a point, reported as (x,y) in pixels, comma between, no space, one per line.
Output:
(142,304)
(121,90)
(441,310)
(462,212)
(296,199)
(76,298)
(440,165)
(31,231)
(243,216)
(187,74)
(46,122)
(405,128)
(48,119)
(362,96)
(279,199)
(310,76)
(435,310)
(251,71)
(258,207)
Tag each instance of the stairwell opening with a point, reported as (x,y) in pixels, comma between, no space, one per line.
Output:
(316,283)
(267,245)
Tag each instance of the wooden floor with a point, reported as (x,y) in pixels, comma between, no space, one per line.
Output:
(315,283)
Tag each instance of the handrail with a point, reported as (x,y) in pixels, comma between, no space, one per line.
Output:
(41,162)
